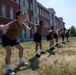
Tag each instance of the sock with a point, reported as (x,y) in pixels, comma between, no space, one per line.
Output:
(8,66)
(52,46)
(56,42)
(36,52)
(20,60)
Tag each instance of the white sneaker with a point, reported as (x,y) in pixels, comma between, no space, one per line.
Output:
(23,64)
(10,72)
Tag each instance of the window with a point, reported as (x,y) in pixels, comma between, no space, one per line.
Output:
(11,13)
(25,15)
(35,20)
(17,1)
(32,19)
(3,10)
(31,6)
(40,11)
(23,2)
(27,4)
(35,8)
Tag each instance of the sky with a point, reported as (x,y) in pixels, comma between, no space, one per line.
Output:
(63,8)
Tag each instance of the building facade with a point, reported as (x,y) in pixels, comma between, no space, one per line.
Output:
(8,9)
(33,11)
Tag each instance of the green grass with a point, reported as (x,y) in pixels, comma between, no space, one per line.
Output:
(61,61)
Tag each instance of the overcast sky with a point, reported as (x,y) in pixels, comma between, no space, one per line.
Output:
(63,8)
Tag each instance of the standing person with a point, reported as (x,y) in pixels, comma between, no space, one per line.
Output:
(67,35)
(37,36)
(9,39)
(55,35)
(50,39)
(63,34)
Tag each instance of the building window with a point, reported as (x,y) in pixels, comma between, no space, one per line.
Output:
(36,20)
(23,2)
(17,1)
(11,13)
(27,4)
(40,11)
(35,8)
(32,19)
(24,15)
(3,10)
(30,6)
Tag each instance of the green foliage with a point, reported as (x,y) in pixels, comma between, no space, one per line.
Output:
(73,30)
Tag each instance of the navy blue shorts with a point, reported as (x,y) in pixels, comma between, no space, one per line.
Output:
(48,37)
(55,36)
(37,37)
(8,42)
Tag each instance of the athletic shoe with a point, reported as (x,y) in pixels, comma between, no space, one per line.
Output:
(43,52)
(37,55)
(57,45)
(23,64)
(10,72)
(52,48)
(63,42)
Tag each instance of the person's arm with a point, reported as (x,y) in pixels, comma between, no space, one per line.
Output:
(49,31)
(4,27)
(26,27)
(30,23)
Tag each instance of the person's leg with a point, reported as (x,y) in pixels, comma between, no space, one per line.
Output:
(8,60)
(36,49)
(62,38)
(51,44)
(20,48)
(40,45)
(8,56)
(56,39)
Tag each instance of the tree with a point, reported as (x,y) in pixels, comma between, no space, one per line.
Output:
(73,30)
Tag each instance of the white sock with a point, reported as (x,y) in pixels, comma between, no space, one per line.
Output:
(36,52)
(56,42)
(20,60)
(8,66)
(52,46)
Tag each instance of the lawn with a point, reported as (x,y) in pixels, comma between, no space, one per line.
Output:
(60,61)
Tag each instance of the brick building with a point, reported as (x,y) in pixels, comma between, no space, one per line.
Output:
(8,9)
(33,11)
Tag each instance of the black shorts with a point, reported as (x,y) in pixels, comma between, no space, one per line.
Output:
(67,35)
(55,36)
(62,35)
(37,37)
(48,37)
(8,42)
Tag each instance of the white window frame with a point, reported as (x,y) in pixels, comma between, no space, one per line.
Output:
(3,10)
(11,13)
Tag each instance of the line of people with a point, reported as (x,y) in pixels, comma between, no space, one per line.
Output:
(14,28)
(52,34)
